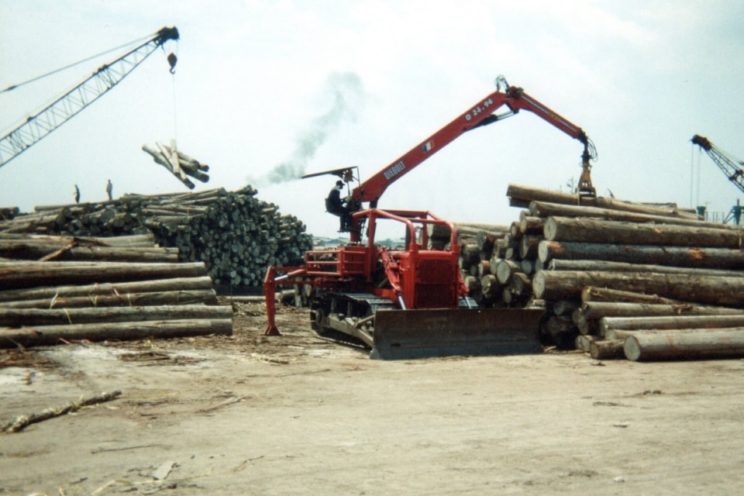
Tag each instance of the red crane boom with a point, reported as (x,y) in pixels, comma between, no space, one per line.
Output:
(482,113)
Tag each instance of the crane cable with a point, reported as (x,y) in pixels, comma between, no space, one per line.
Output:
(86,59)
(172,59)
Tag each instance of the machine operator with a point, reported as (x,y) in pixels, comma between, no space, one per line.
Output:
(335,205)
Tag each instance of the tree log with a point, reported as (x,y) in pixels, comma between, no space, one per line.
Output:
(522,196)
(589,230)
(593,293)
(608,325)
(531,225)
(584,343)
(54,334)
(25,274)
(606,349)
(604,265)
(713,258)
(685,344)
(121,288)
(174,297)
(505,269)
(528,246)
(557,285)
(547,209)
(14,317)
(18,249)
(595,310)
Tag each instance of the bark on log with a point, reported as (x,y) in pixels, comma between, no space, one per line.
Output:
(531,225)
(584,343)
(608,325)
(588,230)
(522,196)
(547,209)
(49,335)
(519,284)
(584,325)
(604,265)
(121,288)
(14,317)
(469,229)
(528,246)
(23,250)
(175,297)
(714,258)
(490,287)
(595,310)
(556,285)
(25,274)
(685,344)
(606,349)
(592,293)
(469,255)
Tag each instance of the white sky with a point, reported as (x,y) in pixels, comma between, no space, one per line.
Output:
(641,77)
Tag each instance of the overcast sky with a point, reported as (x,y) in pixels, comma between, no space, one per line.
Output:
(268,89)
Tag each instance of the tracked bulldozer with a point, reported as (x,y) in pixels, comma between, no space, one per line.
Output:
(411,301)
(403,303)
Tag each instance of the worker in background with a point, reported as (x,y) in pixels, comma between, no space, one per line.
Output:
(335,206)
(77,194)
(109,189)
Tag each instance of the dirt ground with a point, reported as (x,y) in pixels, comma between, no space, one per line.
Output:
(299,415)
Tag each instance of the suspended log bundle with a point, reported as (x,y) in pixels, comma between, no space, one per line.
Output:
(234,233)
(59,289)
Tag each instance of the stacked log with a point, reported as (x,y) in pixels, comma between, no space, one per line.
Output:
(477,245)
(602,259)
(234,233)
(72,292)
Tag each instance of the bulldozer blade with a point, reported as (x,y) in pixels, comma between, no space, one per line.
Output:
(444,332)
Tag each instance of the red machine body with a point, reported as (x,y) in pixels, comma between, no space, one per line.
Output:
(411,301)
(422,274)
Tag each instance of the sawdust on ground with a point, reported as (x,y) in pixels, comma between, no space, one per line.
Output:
(249,414)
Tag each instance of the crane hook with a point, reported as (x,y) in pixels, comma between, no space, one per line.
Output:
(172,60)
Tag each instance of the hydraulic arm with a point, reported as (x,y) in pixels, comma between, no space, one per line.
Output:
(65,107)
(512,99)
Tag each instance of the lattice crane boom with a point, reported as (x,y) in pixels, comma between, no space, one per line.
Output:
(38,126)
(733,169)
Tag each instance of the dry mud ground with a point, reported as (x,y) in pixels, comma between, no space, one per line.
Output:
(298,415)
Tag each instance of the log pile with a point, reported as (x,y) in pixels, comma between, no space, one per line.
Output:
(61,289)
(234,233)
(608,270)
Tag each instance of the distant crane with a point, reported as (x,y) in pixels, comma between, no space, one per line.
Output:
(38,126)
(732,168)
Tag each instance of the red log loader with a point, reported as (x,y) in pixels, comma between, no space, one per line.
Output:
(411,302)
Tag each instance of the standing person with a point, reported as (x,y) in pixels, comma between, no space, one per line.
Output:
(109,189)
(77,194)
(335,206)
